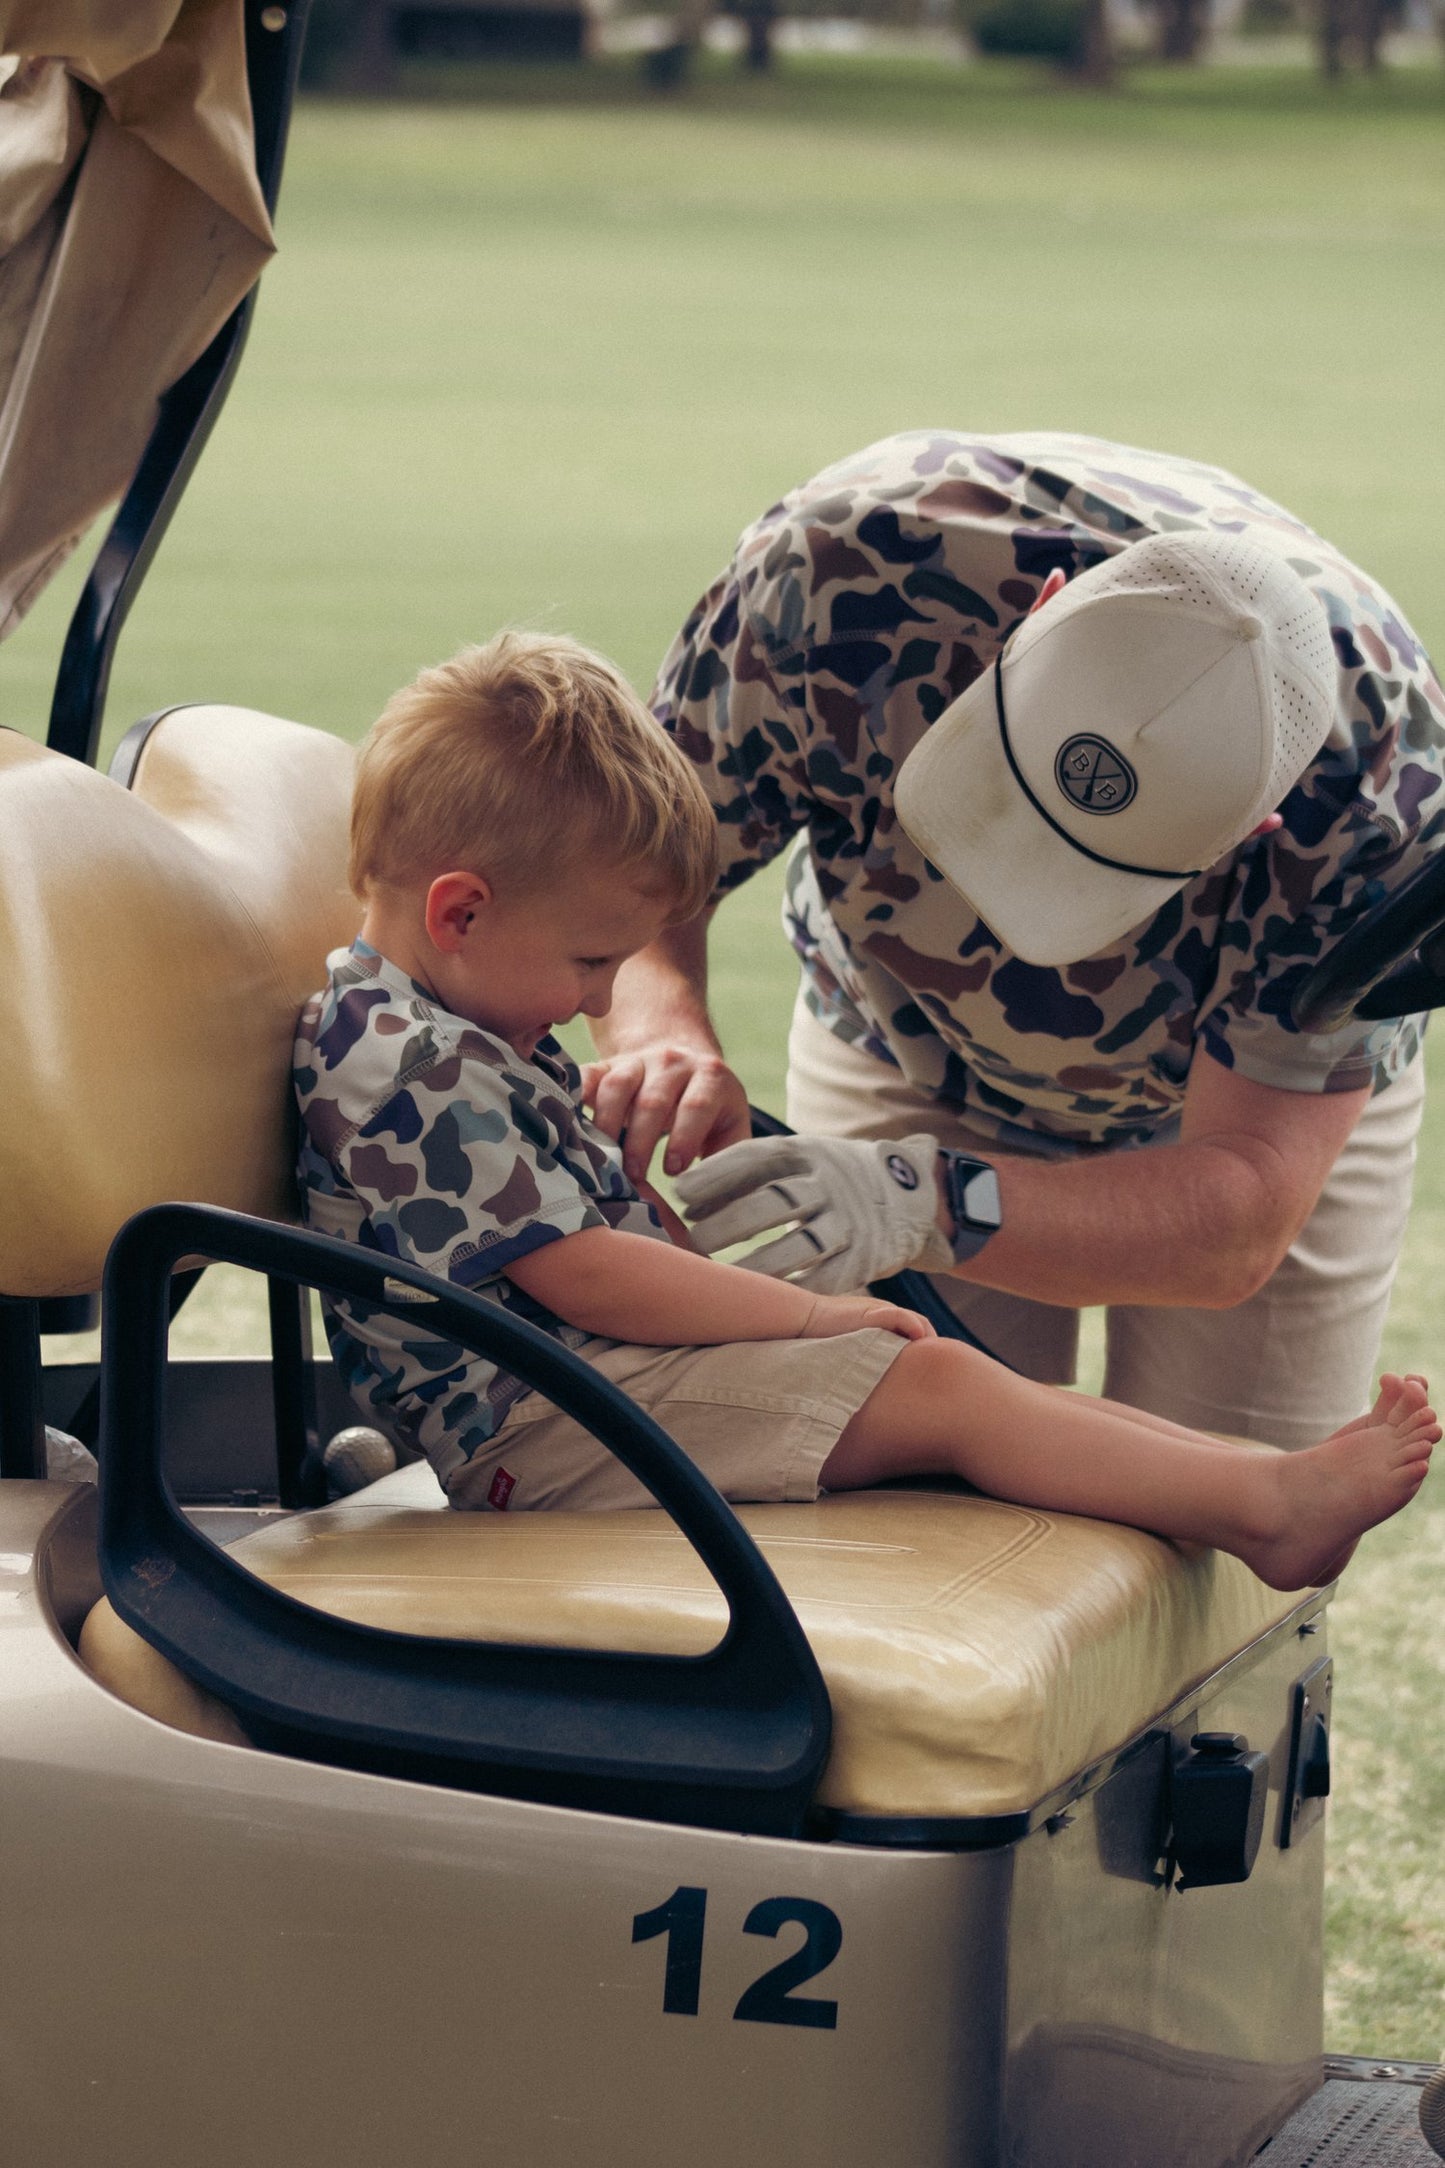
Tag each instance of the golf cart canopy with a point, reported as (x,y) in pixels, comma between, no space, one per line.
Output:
(132,223)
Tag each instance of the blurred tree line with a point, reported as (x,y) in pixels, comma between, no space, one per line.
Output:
(1084,36)
(358,45)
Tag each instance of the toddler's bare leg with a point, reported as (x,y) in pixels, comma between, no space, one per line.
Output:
(944,1409)
(1390,1389)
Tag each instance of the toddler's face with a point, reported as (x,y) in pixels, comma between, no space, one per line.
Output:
(528,963)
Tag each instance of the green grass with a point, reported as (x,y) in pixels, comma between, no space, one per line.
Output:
(536,358)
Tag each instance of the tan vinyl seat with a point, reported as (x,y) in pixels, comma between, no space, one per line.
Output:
(155,945)
(978,1655)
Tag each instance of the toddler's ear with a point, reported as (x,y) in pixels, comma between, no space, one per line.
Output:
(452,903)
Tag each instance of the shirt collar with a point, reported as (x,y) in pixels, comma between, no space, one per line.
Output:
(362,961)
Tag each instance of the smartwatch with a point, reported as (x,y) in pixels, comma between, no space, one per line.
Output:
(971,1187)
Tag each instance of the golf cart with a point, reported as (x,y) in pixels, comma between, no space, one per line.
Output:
(909,1829)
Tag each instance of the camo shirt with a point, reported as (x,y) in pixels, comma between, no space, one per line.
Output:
(857,609)
(426,1138)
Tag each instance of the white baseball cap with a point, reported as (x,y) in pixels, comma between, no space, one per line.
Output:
(1133,732)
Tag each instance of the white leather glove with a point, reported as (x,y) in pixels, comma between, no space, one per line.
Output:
(859,1211)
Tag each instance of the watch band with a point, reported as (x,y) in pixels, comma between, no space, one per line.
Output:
(971,1186)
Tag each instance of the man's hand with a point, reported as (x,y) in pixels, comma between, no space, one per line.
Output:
(659,1069)
(856,1212)
(688,1094)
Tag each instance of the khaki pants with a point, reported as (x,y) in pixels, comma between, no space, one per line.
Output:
(759,1417)
(1286,1367)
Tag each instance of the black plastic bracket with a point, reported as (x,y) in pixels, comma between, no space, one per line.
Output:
(300,1477)
(1307,1783)
(1218,1793)
(734,1739)
(22,1416)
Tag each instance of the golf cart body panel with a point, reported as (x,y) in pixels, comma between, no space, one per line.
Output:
(1055,1999)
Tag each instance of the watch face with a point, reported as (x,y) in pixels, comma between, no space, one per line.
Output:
(973,1197)
(982,1204)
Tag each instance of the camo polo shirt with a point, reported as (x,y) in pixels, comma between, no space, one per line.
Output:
(426,1138)
(856,609)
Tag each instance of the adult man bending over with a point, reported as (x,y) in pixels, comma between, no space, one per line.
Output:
(1090,754)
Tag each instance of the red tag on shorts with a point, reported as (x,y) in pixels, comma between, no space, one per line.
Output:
(502,1488)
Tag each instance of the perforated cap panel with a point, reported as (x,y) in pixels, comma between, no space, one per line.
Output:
(1264,597)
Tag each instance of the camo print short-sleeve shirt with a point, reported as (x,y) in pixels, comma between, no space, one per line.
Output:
(857,609)
(426,1138)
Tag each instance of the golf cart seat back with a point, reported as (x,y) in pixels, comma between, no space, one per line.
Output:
(155,944)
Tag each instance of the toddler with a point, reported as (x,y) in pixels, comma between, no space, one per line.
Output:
(522,826)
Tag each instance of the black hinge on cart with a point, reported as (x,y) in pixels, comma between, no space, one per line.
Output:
(1307,1784)
(1218,1792)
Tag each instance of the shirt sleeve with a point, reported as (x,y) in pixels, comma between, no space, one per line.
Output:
(1350,839)
(719,698)
(463,1169)
(840,632)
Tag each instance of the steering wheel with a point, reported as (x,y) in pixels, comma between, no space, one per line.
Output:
(1359,976)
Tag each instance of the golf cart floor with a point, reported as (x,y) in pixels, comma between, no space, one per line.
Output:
(1364,2118)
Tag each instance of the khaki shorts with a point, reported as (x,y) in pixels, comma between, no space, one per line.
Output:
(758,1417)
(1286,1367)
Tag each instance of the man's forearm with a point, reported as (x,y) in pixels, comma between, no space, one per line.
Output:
(628,1287)
(1188,1225)
(1199,1224)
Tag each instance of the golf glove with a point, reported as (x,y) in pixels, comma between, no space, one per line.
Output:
(855,1212)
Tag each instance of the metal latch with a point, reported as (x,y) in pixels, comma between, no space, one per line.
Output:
(1307,1784)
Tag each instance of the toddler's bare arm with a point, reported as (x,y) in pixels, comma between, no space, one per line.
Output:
(627,1287)
(674,1228)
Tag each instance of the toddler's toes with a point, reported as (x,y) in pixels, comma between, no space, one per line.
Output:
(1387,1401)
(1408,1408)
(1414,1445)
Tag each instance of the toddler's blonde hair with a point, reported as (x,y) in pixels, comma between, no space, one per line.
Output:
(517,759)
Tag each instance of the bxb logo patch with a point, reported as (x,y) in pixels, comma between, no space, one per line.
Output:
(1094,777)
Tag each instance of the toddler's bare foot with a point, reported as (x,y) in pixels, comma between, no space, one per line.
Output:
(1391,1388)
(1327,1496)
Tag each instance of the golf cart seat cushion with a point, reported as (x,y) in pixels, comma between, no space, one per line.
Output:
(979,1655)
(269,804)
(132,1670)
(152,960)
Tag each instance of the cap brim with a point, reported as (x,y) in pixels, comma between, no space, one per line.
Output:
(958,802)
